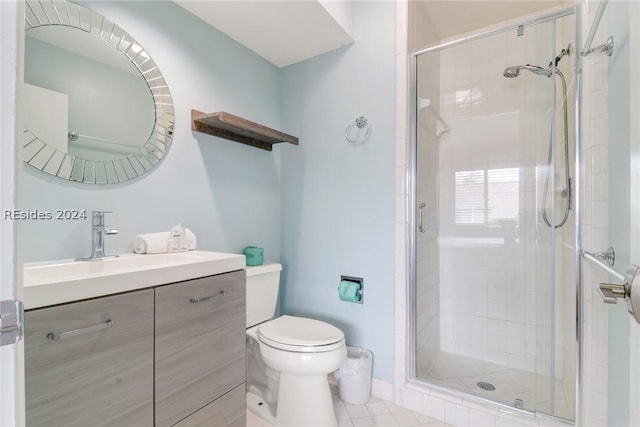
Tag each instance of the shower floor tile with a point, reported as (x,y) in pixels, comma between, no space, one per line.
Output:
(464,373)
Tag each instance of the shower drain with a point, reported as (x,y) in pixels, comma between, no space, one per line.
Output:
(486,386)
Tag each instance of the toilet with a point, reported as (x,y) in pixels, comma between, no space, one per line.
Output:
(288,358)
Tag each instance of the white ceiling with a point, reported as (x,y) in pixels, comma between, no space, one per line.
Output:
(283,32)
(288,31)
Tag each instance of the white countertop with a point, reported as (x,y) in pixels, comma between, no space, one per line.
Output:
(51,283)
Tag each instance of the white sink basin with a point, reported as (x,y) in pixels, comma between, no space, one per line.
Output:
(56,282)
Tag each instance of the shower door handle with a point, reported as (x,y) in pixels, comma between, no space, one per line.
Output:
(420,223)
(629,291)
(610,292)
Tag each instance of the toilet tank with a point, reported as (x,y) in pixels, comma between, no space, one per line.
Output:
(263,283)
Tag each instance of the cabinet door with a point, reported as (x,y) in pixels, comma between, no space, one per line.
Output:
(230,410)
(200,343)
(79,372)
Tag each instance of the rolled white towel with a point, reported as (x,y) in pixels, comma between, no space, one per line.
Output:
(158,243)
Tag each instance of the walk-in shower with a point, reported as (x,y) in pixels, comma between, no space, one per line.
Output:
(492,261)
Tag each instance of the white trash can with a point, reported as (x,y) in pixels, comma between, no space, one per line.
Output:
(354,377)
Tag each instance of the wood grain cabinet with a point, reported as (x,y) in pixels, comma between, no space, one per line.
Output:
(228,410)
(200,344)
(164,356)
(90,363)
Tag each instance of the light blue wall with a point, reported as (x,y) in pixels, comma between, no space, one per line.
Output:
(227,193)
(333,201)
(338,198)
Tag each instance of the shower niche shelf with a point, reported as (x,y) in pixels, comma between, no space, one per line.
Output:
(234,128)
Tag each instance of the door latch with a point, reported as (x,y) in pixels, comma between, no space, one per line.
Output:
(11,322)
(627,291)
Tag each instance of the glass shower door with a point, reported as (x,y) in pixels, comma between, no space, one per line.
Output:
(486,320)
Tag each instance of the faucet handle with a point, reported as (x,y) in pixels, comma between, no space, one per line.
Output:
(111,231)
(98,217)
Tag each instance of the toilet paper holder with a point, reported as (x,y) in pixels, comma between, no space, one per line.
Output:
(359,294)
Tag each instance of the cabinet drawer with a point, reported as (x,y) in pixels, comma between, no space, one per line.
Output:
(230,410)
(81,372)
(200,343)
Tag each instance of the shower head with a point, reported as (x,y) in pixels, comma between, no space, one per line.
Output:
(514,70)
(511,72)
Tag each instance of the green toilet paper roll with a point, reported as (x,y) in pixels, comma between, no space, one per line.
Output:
(349,291)
(254,255)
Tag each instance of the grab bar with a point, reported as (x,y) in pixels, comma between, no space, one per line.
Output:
(607,47)
(420,223)
(590,257)
(595,25)
(608,256)
(73,136)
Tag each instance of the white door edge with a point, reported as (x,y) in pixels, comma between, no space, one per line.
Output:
(634,111)
(11,77)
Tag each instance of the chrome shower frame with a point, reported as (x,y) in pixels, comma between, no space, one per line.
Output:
(411,216)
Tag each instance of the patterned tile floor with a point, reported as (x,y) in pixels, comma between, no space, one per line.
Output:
(375,413)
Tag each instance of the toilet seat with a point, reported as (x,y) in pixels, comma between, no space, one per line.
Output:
(299,334)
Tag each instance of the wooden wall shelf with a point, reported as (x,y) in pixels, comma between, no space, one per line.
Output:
(228,126)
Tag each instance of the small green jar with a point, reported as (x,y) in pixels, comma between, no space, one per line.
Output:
(254,255)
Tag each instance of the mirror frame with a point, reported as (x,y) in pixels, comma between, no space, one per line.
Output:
(36,152)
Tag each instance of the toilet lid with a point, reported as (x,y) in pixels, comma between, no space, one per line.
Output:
(299,331)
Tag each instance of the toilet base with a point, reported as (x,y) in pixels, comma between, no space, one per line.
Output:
(312,408)
(258,406)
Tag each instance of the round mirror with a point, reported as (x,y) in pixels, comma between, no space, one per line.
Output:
(96,108)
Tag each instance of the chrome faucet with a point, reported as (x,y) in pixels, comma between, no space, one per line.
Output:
(98,232)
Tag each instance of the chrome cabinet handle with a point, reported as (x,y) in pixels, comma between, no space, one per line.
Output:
(76,332)
(420,223)
(203,299)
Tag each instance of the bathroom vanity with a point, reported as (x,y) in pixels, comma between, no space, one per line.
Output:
(160,354)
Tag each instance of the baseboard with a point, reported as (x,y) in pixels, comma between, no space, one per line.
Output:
(382,389)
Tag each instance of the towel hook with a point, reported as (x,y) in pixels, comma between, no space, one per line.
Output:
(361,123)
